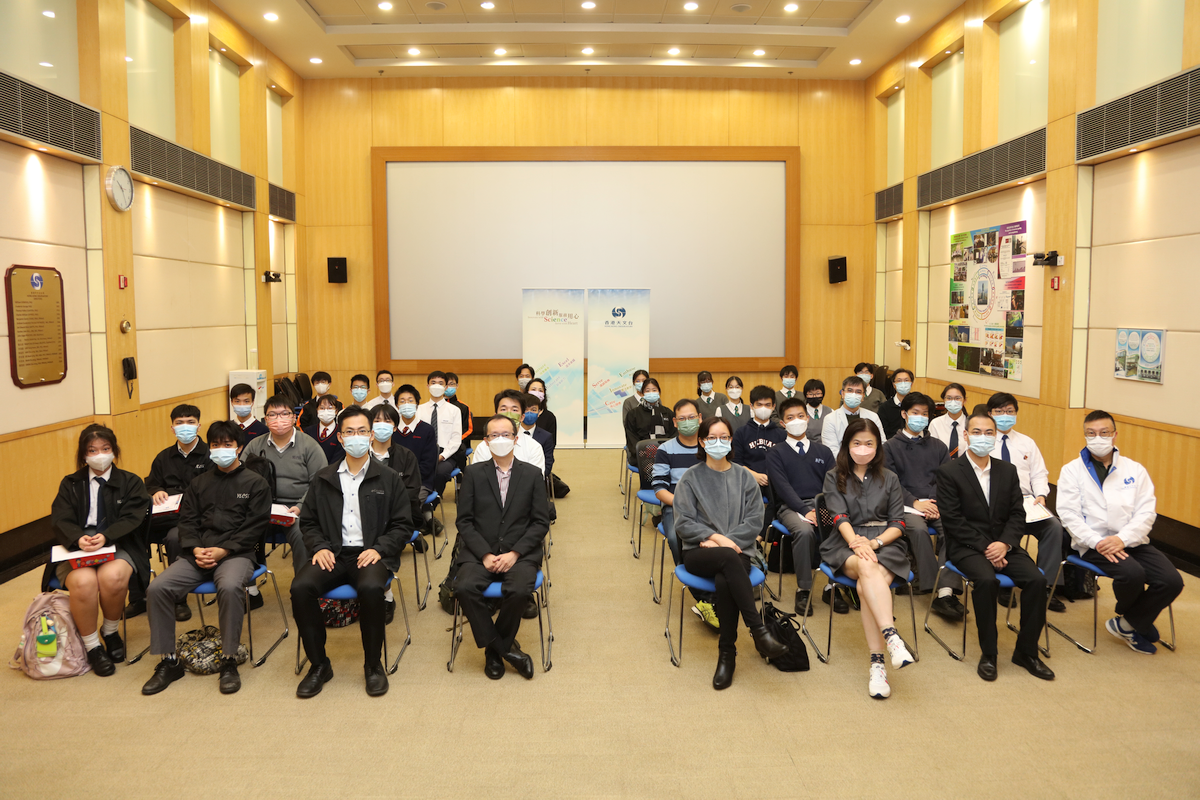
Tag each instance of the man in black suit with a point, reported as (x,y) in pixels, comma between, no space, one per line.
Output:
(503,515)
(983,520)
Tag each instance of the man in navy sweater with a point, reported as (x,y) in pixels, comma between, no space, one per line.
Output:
(755,438)
(797,471)
(915,456)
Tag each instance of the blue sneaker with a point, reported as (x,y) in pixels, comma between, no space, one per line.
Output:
(1141,644)
(1138,643)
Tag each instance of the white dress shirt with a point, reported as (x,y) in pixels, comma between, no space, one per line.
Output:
(323,431)
(94,493)
(834,427)
(352,530)
(378,401)
(525,449)
(984,476)
(940,429)
(449,425)
(799,445)
(1025,456)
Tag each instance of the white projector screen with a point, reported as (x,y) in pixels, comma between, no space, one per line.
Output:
(706,237)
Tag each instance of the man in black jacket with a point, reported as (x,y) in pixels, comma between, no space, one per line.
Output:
(503,515)
(355,522)
(223,516)
(983,519)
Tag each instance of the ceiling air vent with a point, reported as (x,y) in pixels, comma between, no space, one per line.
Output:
(889,202)
(154,157)
(282,202)
(30,112)
(1162,109)
(1015,159)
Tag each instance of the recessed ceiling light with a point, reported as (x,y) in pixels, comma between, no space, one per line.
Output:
(488,6)
(270,16)
(1020,183)
(128,58)
(691,6)
(1133,149)
(412,51)
(314,61)
(790,7)
(589,4)
(587,51)
(760,52)
(385,6)
(500,51)
(896,87)
(49,14)
(914,64)
(854,62)
(42,150)
(272,86)
(1032,62)
(45,64)
(903,18)
(435,5)
(974,23)
(674,51)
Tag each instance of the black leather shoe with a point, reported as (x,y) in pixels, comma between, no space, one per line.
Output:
(493,665)
(1055,603)
(840,606)
(767,644)
(136,608)
(230,680)
(377,680)
(1035,666)
(183,612)
(723,677)
(531,609)
(802,603)
(987,668)
(102,665)
(167,672)
(256,601)
(389,611)
(521,662)
(115,647)
(318,675)
(949,608)
(1004,597)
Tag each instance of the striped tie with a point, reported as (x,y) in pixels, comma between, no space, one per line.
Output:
(954,440)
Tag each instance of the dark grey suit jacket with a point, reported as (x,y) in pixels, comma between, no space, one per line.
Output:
(487,527)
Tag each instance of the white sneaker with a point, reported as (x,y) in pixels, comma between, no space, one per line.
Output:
(900,655)
(877,685)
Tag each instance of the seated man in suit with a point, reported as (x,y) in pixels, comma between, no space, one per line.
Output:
(503,516)
(1107,503)
(324,430)
(355,521)
(983,519)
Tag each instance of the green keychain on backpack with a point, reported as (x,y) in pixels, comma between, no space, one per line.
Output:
(47,640)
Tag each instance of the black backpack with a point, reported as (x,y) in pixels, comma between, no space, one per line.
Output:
(446,587)
(787,630)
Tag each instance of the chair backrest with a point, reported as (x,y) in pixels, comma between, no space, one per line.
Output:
(824,518)
(647,451)
(304,385)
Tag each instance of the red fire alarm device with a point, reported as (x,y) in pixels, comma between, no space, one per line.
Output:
(1056,283)
(122,282)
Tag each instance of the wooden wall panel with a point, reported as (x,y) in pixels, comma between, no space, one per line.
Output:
(30,469)
(832,138)
(252,96)
(828,331)
(1063,52)
(1191,34)
(622,111)
(550,112)
(764,112)
(341,329)
(1058,307)
(693,111)
(479,112)
(337,157)
(1087,32)
(406,112)
(103,73)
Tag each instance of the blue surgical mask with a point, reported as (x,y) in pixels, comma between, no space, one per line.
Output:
(186,434)
(917,424)
(954,406)
(706,387)
(789,383)
(359,394)
(383,431)
(1004,422)
(717,449)
(651,397)
(223,456)
(852,401)
(243,411)
(530,417)
(637,386)
(356,446)
(451,391)
(982,445)
(408,410)
(904,387)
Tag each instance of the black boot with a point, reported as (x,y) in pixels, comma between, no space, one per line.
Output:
(767,644)
(723,677)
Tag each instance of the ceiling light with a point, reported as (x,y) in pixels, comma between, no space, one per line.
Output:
(1032,62)
(49,14)
(270,16)
(435,5)
(790,7)
(854,62)
(272,86)
(587,51)
(897,86)
(128,58)
(914,64)
(691,6)
(488,6)
(589,4)
(1020,183)
(412,51)
(947,52)
(45,64)
(903,18)
(760,52)
(222,49)
(1133,149)
(974,23)
(42,150)
(674,51)
(314,61)
(385,6)
(500,51)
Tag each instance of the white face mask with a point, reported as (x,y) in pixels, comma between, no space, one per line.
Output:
(436,390)
(385,387)
(1100,446)
(735,393)
(866,376)
(320,388)
(762,413)
(501,447)
(326,415)
(797,427)
(100,461)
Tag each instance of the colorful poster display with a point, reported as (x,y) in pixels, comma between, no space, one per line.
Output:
(1139,354)
(618,345)
(987,300)
(552,343)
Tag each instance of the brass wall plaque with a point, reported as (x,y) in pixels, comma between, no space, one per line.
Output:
(37,331)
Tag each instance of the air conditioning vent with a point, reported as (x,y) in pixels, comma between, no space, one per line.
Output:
(1166,107)
(978,172)
(889,202)
(282,202)
(31,112)
(155,157)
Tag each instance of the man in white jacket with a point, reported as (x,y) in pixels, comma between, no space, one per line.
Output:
(1106,501)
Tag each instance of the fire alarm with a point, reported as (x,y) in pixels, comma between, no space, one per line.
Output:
(1056,283)
(122,282)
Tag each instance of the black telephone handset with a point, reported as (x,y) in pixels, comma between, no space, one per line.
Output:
(129,371)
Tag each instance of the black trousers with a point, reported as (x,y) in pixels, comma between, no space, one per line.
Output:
(441,475)
(1144,584)
(516,587)
(1027,577)
(730,571)
(312,581)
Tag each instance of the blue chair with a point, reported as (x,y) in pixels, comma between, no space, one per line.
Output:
(784,533)
(621,476)
(1005,583)
(348,592)
(1099,572)
(429,500)
(456,476)
(690,581)
(647,451)
(208,587)
(541,595)
(421,601)
(630,471)
(55,586)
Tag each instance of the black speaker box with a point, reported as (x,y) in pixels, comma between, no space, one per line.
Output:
(837,269)
(337,270)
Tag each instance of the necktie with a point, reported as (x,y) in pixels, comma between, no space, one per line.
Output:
(1004,449)
(433,421)
(708,400)
(101,515)
(737,410)
(789,394)
(954,440)
(817,412)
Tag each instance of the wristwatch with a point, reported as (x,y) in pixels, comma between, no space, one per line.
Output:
(874,544)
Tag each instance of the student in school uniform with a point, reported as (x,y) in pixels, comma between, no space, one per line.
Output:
(360,385)
(752,441)
(815,408)
(383,381)
(96,506)
(324,432)
(468,424)
(634,400)
(948,428)
(242,398)
(513,404)
(889,410)
(707,400)
(531,428)
(417,436)
(446,421)
(648,421)
(873,396)
(787,377)
(320,383)
(735,412)
(546,419)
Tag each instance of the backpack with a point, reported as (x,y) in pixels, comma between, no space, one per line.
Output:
(446,587)
(338,613)
(50,645)
(200,650)
(786,629)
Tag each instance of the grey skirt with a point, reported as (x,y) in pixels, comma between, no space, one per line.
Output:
(894,556)
(64,567)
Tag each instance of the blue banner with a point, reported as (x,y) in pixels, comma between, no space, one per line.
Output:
(618,346)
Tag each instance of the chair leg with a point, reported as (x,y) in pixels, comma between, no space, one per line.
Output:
(662,554)
(1171,615)
(912,612)
(967,602)
(456,635)
(437,551)
(628,493)
(547,639)
(635,521)
(676,658)
(1050,626)
(146,649)
(200,607)
(823,657)
(399,593)
(282,615)
(421,601)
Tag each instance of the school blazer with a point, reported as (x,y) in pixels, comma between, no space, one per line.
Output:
(484,526)
(383,505)
(127,506)
(969,523)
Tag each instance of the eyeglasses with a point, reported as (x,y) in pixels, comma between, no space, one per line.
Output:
(279,415)
(356,432)
(715,439)
(687,419)
(493,436)
(1105,434)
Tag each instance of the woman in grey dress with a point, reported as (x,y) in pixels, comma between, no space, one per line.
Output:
(868,544)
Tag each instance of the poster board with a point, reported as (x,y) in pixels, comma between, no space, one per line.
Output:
(552,343)
(1139,354)
(618,345)
(986,332)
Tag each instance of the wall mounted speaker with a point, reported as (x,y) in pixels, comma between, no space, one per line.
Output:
(837,269)
(337,270)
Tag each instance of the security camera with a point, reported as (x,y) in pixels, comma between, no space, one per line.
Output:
(904,344)
(272,277)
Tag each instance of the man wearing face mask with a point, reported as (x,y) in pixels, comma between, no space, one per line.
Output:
(446,421)
(787,377)
(468,423)
(889,411)
(948,428)
(241,397)
(1023,453)
(872,397)
(635,399)
(171,472)
(524,375)
(383,380)
(983,519)
(755,438)
(815,408)
(512,405)
(324,432)
(1107,504)
(222,518)
(915,457)
(359,386)
(355,522)
(320,383)
(851,408)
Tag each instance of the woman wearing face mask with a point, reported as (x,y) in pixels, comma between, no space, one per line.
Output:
(867,544)
(648,421)
(635,399)
(546,420)
(718,516)
(734,411)
(325,430)
(100,505)
(708,400)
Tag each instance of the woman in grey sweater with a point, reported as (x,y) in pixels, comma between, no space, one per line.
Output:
(867,543)
(718,516)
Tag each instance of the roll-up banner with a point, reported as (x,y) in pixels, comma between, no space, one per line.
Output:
(618,346)
(552,343)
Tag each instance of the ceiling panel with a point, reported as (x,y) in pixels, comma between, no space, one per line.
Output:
(816,22)
(501,11)
(769,52)
(685,50)
(717,51)
(549,51)
(454,50)
(839,9)
(802,53)
(398,14)
(630,50)
(371,50)
(336,8)
(638,11)
(359,20)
